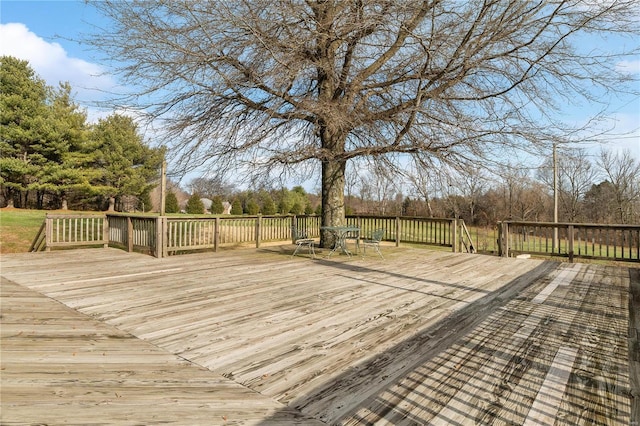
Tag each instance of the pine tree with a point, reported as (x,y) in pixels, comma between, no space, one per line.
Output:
(252,207)
(268,206)
(127,164)
(23,115)
(194,205)
(216,205)
(171,203)
(236,207)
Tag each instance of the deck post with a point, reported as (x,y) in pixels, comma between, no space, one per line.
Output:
(503,239)
(454,235)
(48,233)
(398,231)
(294,222)
(258,230)
(216,234)
(129,234)
(164,239)
(157,250)
(571,236)
(105,230)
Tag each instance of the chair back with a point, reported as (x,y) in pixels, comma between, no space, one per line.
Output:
(377,235)
(297,234)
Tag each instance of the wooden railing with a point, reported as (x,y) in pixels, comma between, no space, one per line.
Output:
(166,235)
(74,230)
(571,240)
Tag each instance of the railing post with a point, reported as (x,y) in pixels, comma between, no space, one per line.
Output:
(258,230)
(454,235)
(48,233)
(157,250)
(503,238)
(216,234)
(571,236)
(398,231)
(106,230)
(294,222)
(129,234)
(164,231)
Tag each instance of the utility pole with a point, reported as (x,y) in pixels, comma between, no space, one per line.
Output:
(554,245)
(163,187)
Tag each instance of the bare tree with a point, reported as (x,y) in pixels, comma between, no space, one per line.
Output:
(472,184)
(422,181)
(211,186)
(280,83)
(623,172)
(576,175)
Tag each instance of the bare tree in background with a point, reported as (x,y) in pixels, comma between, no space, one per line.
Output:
(290,85)
(623,172)
(576,175)
(423,184)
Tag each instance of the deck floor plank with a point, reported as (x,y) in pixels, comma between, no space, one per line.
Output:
(423,337)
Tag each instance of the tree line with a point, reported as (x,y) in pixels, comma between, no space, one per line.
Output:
(51,157)
(591,188)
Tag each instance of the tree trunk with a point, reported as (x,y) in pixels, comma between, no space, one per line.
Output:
(333,180)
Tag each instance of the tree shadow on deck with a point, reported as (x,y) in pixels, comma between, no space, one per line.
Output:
(345,396)
(434,374)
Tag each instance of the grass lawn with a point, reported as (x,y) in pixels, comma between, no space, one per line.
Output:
(18,228)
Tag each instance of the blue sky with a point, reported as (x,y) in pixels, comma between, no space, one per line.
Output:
(43,32)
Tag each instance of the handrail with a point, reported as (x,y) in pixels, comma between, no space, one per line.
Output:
(164,235)
(571,240)
(71,230)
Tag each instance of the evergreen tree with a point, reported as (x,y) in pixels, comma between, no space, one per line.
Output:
(252,207)
(67,168)
(236,207)
(195,205)
(144,201)
(268,206)
(126,163)
(283,208)
(308,210)
(171,203)
(216,205)
(297,208)
(23,115)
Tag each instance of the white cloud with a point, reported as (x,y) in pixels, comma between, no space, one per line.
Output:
(629,67)
(51,62)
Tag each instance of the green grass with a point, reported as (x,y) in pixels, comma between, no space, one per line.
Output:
(18,228)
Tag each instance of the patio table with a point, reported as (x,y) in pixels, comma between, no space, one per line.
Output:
(341,233)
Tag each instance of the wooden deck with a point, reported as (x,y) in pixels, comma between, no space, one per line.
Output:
(255,337)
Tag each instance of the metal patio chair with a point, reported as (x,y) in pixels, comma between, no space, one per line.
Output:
(301,239)
(373,241)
